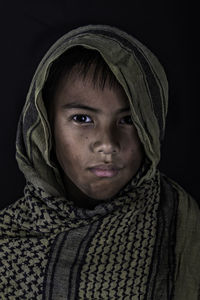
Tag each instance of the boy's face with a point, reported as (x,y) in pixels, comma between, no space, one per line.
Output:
(96,143)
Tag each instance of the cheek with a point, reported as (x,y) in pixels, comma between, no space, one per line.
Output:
(70,148)
(133,150)
(63,143)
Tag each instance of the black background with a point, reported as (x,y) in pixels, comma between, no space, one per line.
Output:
(29,28)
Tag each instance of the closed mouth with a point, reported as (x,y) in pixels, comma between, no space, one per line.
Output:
(105,170)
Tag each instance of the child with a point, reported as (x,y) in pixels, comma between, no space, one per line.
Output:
(97,220)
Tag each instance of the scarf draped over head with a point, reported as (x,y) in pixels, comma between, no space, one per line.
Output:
(122,249)
(137,70)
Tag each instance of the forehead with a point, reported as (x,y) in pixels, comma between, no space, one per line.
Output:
(83,90)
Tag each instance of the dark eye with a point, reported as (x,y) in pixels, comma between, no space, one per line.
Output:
(126,120)
(82,119)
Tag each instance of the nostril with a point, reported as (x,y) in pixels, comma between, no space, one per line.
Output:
(107,151)
(105,148)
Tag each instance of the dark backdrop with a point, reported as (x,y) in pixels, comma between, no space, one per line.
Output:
(29,28)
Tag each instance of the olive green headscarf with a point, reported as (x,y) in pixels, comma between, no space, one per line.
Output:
(137,70)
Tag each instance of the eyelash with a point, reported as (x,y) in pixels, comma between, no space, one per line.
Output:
(81,115)
(130,122)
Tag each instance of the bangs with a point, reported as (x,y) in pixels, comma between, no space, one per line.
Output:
(82,62)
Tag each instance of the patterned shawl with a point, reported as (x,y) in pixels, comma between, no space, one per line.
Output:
(143,244)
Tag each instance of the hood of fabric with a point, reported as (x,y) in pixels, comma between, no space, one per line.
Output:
(139,73)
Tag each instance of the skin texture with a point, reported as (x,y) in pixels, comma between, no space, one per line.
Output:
(97,146)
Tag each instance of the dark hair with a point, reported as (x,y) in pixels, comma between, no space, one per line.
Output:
(79,60)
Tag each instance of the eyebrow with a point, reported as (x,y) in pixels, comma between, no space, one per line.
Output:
(73,105)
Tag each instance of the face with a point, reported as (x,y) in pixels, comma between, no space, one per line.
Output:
(96,143)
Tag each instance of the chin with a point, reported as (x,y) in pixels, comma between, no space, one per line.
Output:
(103,192)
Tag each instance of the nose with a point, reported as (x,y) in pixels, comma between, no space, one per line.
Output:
(106,142)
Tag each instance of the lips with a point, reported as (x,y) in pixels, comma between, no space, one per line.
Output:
(105,170)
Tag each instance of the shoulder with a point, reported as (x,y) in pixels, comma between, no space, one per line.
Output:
(10,218)
(187,242)
(187,213)
(187,206)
